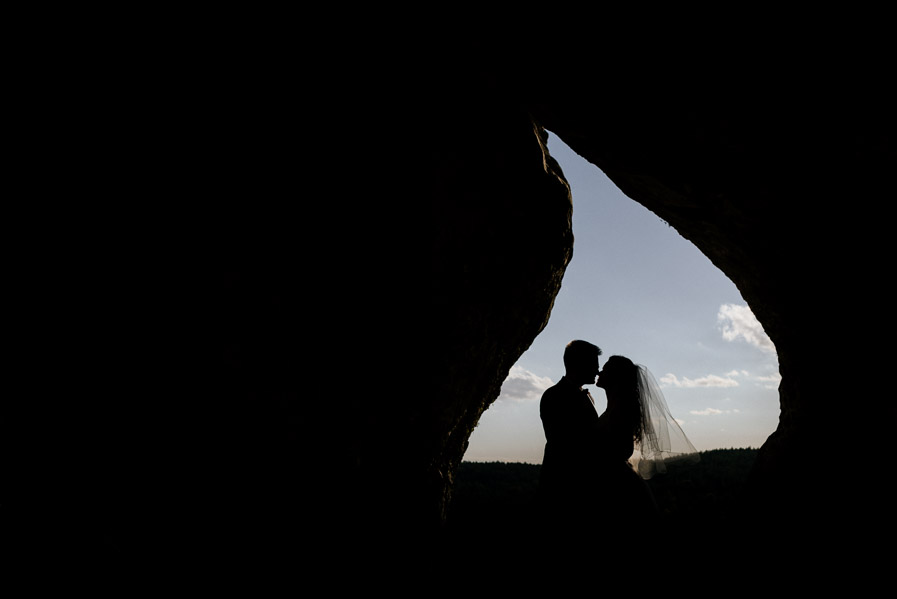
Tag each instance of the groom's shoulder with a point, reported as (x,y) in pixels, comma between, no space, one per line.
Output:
(554,391)
(553,401)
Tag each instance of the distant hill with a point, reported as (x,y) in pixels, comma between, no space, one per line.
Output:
(496,497)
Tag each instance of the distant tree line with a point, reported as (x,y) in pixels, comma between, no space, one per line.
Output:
(495,497)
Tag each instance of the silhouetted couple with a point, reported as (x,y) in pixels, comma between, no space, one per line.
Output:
(589,490)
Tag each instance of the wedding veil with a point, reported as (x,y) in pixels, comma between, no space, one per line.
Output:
(662,438)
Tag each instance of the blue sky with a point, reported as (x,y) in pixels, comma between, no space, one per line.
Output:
(635,287)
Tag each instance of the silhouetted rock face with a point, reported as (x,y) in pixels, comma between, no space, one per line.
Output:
(192,415)
(501,238)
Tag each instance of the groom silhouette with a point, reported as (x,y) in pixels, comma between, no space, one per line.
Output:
(567,482)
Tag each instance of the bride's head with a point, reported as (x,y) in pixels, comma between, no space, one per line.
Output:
(619,375)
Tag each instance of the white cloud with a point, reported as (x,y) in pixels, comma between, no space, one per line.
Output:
(739,322)
(712,412)
(706,412)
(711,380)
(727,380)
(523,385)
(770,382)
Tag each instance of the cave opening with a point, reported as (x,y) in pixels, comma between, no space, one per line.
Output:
(636,287)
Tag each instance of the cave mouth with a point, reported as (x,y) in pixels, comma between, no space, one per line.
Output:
(696,305)
(638,288)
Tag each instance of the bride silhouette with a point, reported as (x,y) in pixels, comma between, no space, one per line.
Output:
(636,419)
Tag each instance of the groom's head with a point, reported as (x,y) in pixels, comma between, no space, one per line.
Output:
(581,361)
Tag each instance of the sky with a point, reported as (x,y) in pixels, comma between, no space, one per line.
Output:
(637,288)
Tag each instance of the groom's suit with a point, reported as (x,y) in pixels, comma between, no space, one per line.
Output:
(568,475)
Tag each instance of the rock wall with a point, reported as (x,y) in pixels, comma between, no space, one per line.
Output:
(499,238)
(216,337)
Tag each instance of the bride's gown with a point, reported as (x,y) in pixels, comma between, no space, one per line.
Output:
(624,497)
